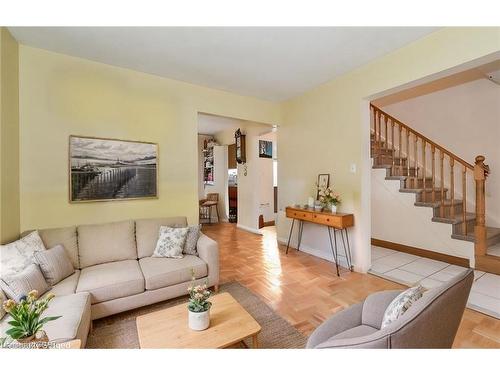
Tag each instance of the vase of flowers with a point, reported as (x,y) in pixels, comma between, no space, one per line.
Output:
(199,307)
(329,198)
(26,325)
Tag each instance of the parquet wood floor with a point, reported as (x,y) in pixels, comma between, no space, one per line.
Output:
(305,290)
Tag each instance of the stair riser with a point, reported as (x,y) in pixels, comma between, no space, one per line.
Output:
(457,228)
(428,196)
(387,159)
(382,151)
(447,210)
(414,183)
(403,171)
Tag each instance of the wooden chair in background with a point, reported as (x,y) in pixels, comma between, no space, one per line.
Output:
(206,207)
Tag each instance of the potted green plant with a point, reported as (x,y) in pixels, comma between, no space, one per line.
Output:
(329,198)
(26,324)
(199,307)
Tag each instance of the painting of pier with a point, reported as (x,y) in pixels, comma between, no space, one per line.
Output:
(111,169)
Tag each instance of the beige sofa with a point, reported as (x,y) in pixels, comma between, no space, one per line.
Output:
(115,272)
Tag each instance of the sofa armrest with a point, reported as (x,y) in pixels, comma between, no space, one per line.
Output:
(340,322)
(375,305)
(208,251)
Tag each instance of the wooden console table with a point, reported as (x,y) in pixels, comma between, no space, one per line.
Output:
(336,222)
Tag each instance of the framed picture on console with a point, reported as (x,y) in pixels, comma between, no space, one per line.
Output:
(103,169)
(323,181)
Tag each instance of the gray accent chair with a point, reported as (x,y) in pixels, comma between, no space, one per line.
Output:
(431,322)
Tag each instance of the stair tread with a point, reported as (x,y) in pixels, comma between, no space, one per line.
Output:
(420,190)
(446,202)
(456,219)
(491,232)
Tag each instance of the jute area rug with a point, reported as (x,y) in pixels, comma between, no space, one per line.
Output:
(120,331)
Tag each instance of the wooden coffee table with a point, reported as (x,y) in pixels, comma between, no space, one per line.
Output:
(230,324)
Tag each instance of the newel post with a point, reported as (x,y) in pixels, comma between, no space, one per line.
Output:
(481,171)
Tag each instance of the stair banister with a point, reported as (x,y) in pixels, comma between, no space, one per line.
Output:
(481,171)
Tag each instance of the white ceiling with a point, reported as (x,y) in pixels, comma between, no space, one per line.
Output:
(273,63)
(212,124)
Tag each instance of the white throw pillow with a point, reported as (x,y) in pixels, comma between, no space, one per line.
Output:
(170,242)
(401,304)
(17,255)
(19,285)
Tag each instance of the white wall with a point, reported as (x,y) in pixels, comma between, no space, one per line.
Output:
(465,119)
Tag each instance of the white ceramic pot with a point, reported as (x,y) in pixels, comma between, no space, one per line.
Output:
(334,209)
(199,321)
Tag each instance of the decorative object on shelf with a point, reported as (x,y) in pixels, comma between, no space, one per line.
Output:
(323,181)
(208,161)
(329,198)
(26,325)
(310,202)
(240,147)
(198,306)
(104,169)
(265,149)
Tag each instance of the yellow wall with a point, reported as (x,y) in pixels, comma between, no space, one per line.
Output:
(322,129)
(62,95)
(9,137)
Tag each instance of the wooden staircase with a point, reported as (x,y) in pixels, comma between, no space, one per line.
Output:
(439,179)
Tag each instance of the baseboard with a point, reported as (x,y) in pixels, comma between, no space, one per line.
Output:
(249,229)
(464,262)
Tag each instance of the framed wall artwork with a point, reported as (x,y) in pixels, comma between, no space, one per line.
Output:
(102,169)
(323,181)
(265,149)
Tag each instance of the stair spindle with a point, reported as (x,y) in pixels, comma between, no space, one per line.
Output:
(464,199)
(415,155)
(441,209)
(400,144)
(379,130)
(433,150)
(408,153)
(386,135)
(393,146)
(452,187)
(423,170)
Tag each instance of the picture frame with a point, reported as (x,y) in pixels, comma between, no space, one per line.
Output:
(109,169)
(323,180)
(265,149)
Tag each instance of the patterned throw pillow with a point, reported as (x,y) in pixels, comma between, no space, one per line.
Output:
(19,285)
(170,243)
(401,304)
(18,255)
(191,240)
(55,264)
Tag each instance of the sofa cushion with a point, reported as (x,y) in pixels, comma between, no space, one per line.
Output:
(62,236)
(19,285)
(147,232)
(171,242)
(359,331)
(54,264)
(17,255)
(192,239)
(162,272)
(66,286)
(112,280)
(103,243)
(74,310)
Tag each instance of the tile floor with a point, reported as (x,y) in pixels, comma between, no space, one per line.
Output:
(410,269)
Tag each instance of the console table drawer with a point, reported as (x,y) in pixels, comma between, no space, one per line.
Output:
(330,220)
(296,214)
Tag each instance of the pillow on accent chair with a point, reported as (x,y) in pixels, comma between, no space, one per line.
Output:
(18,255)
(191,240)
(170,243)
(54,264)
(401,304)
(19,285)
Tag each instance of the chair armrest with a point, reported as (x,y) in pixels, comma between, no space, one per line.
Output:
(375,305)
(340,322)
(208,251)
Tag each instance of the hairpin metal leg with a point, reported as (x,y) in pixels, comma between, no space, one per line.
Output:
(347,249)
(301,229)
(334,250)
(290,236)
